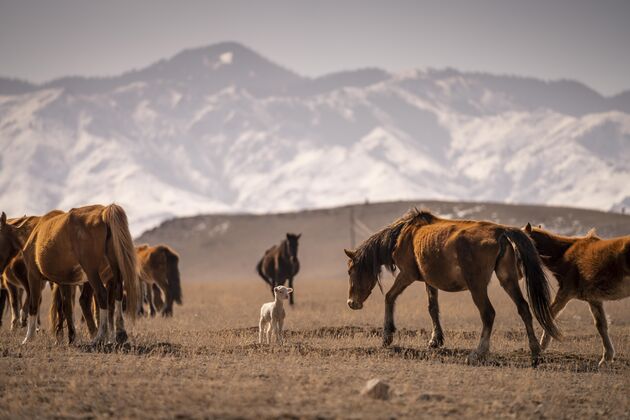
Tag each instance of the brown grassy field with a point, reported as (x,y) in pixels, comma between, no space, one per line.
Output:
(205,362)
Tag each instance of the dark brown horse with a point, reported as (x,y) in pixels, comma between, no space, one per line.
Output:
(159,265)
(453,255)
(280,263)
(12,267)
(588,268)
(64,247)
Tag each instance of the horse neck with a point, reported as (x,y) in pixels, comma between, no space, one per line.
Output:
(284,249)
(24,230)
(554,246)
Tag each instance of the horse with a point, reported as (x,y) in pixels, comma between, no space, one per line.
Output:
(280,263)
(453,255)
(587,268)
(159,265)
(65,248)
(12,267)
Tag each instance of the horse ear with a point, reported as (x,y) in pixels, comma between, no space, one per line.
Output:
(350,253)
(3,219)
(298,235)
(289,290)
(528,228)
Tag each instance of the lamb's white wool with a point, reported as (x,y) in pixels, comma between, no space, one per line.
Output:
(272,315)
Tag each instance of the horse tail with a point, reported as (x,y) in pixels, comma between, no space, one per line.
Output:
(536,279)
(4,295)
(260,270)
(172,274)
(125,255)
(55,306)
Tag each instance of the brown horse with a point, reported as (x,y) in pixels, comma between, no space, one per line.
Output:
(159,265)
(62,247)
(453,255)
(280,263)
(588,268)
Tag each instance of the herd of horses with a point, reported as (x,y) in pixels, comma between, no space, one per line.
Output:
(457,255)
(90,249)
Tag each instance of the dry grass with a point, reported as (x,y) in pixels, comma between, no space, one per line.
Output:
(205,362)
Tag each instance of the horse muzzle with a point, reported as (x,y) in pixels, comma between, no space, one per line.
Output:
(354,305)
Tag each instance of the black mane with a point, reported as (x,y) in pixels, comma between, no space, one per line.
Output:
(377,249)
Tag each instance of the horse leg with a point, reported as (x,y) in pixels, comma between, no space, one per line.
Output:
(559,302)
(111,309)
(14,303)
(121,335)
(35,281)
(599,316)
(162,283)
(3,301)
(23,296)
(152,310)
(400,284)
(511,286)
(85,301)
(67,299)
(479,294)
(437,336)
(144,297)
(101,296)
(157,297)
(291,294)
(57,313)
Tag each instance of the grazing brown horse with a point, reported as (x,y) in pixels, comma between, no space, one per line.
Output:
(62,247)
(159,265)
(588,268)
(453,255)
(280,263)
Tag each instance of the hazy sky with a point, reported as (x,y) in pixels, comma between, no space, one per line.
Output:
(584,40)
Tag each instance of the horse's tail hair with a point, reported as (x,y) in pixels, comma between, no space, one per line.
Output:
(536,279)
(125,255)
(172,274)
(259,269)
(4,295)
(55,307)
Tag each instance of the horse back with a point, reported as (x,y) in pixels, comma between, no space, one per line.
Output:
(446,252)
(62,241)
(599,268)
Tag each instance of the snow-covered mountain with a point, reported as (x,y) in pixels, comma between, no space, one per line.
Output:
(222,129)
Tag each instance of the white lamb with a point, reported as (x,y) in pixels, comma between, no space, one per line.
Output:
(272,315)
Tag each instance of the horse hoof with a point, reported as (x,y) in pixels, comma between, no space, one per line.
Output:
(99,342)
(387,340)
(121,337)
(475,359)
(435,343)
(536,360)
(604,363)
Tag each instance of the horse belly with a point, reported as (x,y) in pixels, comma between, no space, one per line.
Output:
(444,274)
(622,291)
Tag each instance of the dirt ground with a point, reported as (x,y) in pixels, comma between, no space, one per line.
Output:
(206,363)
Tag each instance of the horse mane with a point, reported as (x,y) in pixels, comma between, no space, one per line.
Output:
(591,233)
(377,249)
